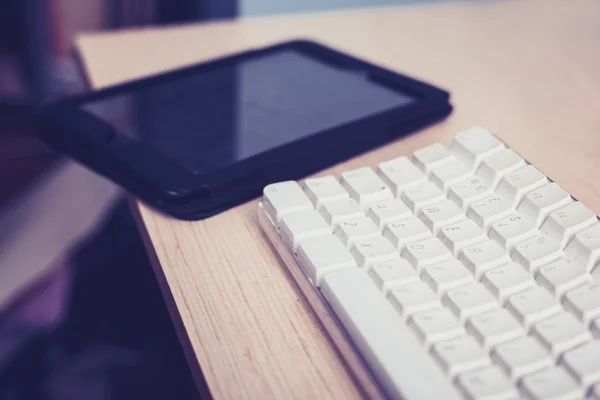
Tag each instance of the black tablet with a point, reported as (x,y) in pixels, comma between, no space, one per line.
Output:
(199,140)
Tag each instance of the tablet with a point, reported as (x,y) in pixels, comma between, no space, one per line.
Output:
(202,139)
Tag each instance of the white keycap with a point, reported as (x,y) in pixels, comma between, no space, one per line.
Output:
(561,275)
(284,198)
(536,251)
(475,144)
(507,280)
(385,212)
(446,275)
(496,166)
(431,156)
(422,195)
(538,204)
(561,333)
(565,222)
(462,234)
(302,225)
(435,325)
(494,327)
(585,247)
(532,306)
(483,257)
(438,215)
(406,231)
(521,357)
(365,186)
(515,185)
(426,252)
(584,302)
(551,384)
(400,174)
(393,273)
(323,190)
(488,383)
(584,363)
(595,392)
(489,210)
(411,299)
(383,339)
(367,252)
(322,254)
(512,230)
(468,191)
(469,300)
(459,355)
(448,174)
(349,232)
(338,211)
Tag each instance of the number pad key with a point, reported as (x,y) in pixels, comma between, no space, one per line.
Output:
(551,383)
(487,383)
(541,202)
(459,355)
(407,231)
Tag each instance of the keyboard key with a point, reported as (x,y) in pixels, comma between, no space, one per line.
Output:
(461,234)
(350,232)
(438,215)
(486,384)
(498,165)
(435,325)
(538,204)
(322,254)
(468,191)
(551,384)
(584,302)
(375,250)
(483,257)
(284,198)
(459,355)
(446,275)
(382,338)
(469,300)
(585,247)
(507,280)
(561,275)
(431,156)
(406,231)
(323,190)
(422,195)
(536,251)
(584,363)
(532,306)
(385,212)
(393,273)
(365,186)
(302,225)
(560,333)
(338,211)
(494,327)
(516,185)
(448,174)
(521,357)
(565,222)
(400,174)
(411,299)
(512,230)
(474,145)
(488,210)
(426,252)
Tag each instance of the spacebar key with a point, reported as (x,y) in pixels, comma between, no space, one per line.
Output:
(393,353)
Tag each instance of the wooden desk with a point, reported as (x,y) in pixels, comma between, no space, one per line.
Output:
(528,70)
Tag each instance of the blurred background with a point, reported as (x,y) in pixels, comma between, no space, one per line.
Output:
(81,315)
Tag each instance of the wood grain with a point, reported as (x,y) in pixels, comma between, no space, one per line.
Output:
(528,70)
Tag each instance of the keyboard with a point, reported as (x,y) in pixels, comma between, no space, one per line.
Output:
(462,273)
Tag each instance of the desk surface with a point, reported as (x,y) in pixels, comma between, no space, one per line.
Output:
(528,70)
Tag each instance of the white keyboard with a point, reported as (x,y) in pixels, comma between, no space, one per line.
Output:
(462,273)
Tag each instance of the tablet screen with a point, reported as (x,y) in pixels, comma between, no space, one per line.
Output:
(208,120)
